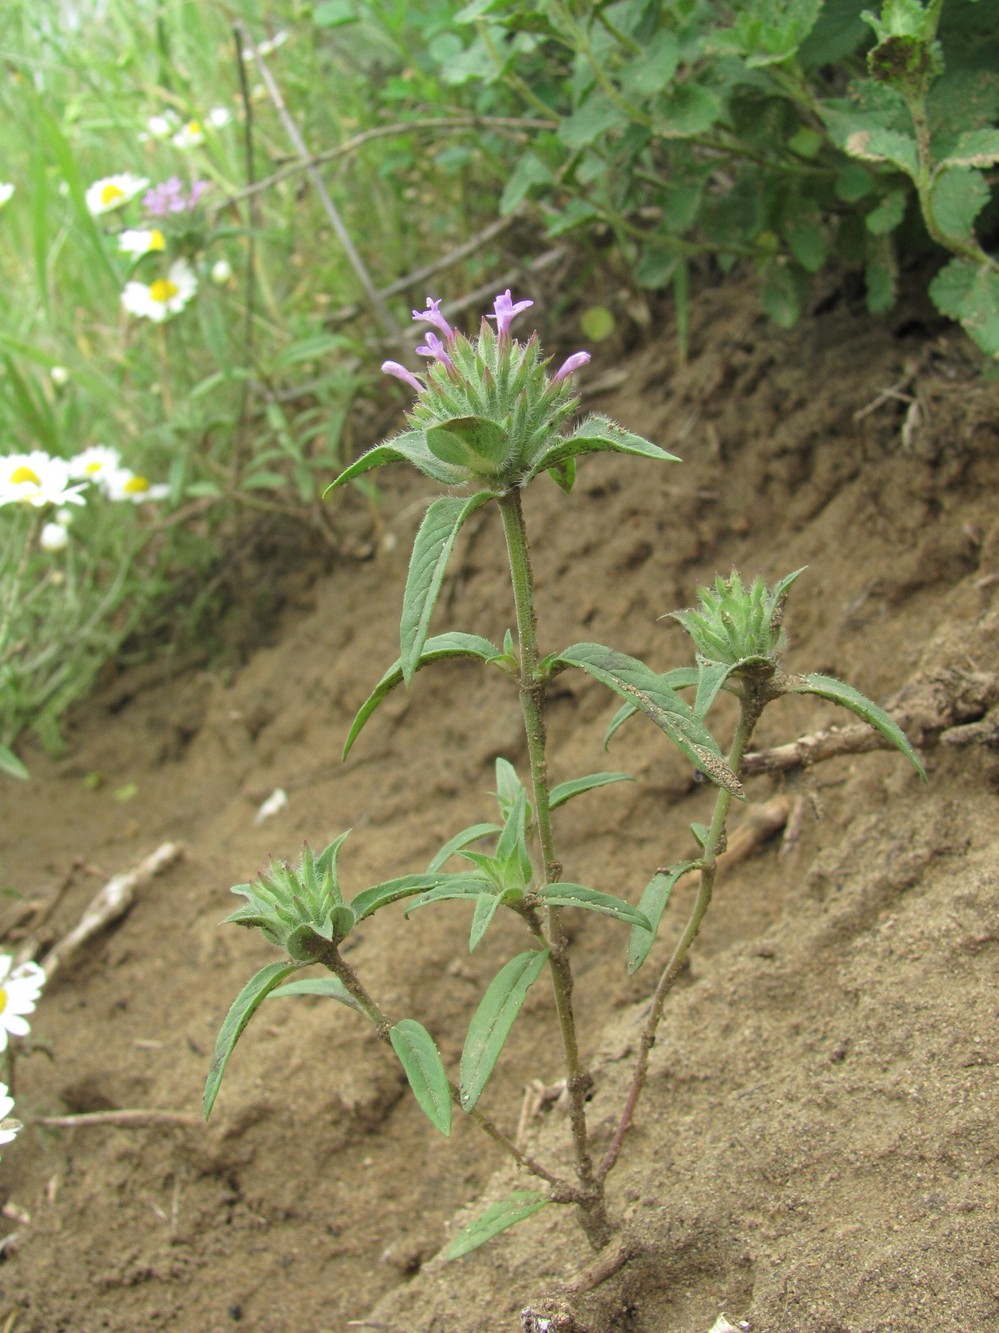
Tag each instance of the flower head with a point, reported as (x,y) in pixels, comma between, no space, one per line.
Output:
(123,484)
(170,197)
(38,480)
(164,297)
(141,242)
(53,538)
(112,192)
(94,462)
(20,988)
(8,1128)
(506,311)
(570,365)
(190,134)
(6,190)
(432,315)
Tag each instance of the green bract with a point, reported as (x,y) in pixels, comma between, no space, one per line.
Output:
(739,627)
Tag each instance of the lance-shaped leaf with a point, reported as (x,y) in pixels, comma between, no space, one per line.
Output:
(454,886)
(492,1021)
(827,687)
(460,841)
(677,679)
(438,648)
(565,791)
(410,447)
(11,765)
(431,551)
(485,910)
(243,1008)
(391,891)
(499,1217)
(595,435)
(641,686)
(653,902)
(562,894)
(420,1058)
(332,987)
(475,443)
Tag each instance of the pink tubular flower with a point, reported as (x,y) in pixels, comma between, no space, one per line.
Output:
(435,348)
(433,316)
(401,373)
(506,312)
(572,363)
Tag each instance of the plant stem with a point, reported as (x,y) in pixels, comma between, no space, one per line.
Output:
(749,712)
(532,697)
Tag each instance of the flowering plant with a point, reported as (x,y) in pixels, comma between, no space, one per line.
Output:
(487,420)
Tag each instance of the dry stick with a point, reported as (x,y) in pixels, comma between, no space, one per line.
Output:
(131,1118)
(337,223)
(112,902)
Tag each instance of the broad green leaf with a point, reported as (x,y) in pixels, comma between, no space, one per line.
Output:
(475,443)
(332,987)
(591,122)
(687,109)
(436,649)
(653,902)
(974,148)
(245,1005)
(370,900)
(652,72)
(461,840)
(969,292)
(562,894)
(649,692)
(957,196)
(677,679)
(827,687)
(454,886)
(499,1217)
(492,1021)
(11,765)
(431,551)
(420,1058)
(597,434)
(887,214)
(410,447)
(565,791)
(882,145)
(783,293)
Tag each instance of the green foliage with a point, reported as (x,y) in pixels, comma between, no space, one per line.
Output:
(516,1207)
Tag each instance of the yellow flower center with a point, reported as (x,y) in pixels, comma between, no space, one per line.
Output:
(163,289)
(19,475)
(95,466)
(111,193)
(3,999)
(136,486)
(194,127)
(156,240)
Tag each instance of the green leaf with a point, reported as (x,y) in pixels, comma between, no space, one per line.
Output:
(592,121)
(562,894)
(677,679)
(652,72)
(11,765)
(420,1058)
(882,145)
(649,692)
(370,900)
(711,676)
(243,1008)
(454,886)
(565,791)
(459,841)
(441,646)
(485,910)
(827,687)
(597,434)
(655,897)
(974,148)
(957,196)
(431,551)
(499,1217)
(969,292)
(475,443)
(492,1021)
(332,987)
(410,447)
(887,214)
(688,109)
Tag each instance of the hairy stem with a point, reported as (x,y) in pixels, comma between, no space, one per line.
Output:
(532,697)
(750,708)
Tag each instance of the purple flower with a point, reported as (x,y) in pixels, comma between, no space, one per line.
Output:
(401,373)
(170,197)
(506,312)
(573,363)
(433,316)
(435,348)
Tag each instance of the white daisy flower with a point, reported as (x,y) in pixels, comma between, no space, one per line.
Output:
(53,538)
(59,375)
(161,127)
(94,462)
(8,1128)
(190,134)
(218,117)
(112,191)
(221,272)
(141,242)
(6,190)
(124,484)
(19,992)
(165,297)
(38,480)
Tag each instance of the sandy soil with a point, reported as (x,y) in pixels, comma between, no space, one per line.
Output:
(816,1150)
